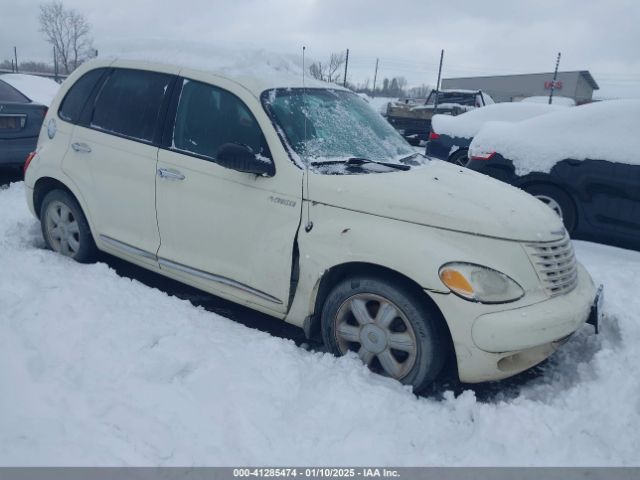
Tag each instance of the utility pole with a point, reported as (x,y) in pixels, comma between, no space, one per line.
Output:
(435,103)
(55,64)
(555,76)
(15,54)
(346,65)
(375,76)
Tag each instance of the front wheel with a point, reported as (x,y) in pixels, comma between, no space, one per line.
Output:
(558,200)
(392,330)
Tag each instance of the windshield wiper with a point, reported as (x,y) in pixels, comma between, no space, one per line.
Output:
(357,161)
(409,157)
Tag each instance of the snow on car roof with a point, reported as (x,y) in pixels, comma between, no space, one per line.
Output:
(468,124)
(608,130)
(37,89)
(257,70)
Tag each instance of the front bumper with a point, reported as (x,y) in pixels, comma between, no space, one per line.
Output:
(507,342)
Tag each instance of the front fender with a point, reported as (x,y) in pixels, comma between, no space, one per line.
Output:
(340,236)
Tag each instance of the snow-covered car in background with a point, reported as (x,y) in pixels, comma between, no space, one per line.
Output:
(584,162)
(291,198)
(450,136)
(413,119)
(24,100)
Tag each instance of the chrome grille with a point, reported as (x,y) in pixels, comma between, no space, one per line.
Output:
(556,265)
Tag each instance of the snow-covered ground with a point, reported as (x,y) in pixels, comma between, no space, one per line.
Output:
(97,369)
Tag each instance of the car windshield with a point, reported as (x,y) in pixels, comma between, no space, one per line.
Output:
(333,126)
(460,98)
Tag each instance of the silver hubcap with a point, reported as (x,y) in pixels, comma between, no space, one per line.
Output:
(379,332)
(462,160)
(62,229)
(551,203)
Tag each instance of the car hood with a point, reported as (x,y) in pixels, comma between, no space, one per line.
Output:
(444,196)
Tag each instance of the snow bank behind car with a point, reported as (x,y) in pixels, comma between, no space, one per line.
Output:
(608,130)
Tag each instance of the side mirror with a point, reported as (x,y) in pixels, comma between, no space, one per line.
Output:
(241,158)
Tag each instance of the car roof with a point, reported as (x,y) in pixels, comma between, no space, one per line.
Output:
(256,78)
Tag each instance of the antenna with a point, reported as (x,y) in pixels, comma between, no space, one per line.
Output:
(304,96)
(309,225)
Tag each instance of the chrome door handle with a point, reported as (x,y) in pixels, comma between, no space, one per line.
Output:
(170,174)
(81,147)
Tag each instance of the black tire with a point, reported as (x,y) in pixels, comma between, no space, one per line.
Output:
(426,361)
(77,231)
(460,158)
(568,212)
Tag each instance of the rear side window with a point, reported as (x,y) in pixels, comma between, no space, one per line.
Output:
(10,94)
(78,94)
(129,103)
(208,117)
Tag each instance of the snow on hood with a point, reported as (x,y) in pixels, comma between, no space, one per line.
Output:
(441,195)
(37,89)
(608,130)
(468,124)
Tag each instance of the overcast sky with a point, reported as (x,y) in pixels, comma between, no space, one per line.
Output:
(479,38)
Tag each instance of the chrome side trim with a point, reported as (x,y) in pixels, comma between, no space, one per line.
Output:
(126,248)
(218,279)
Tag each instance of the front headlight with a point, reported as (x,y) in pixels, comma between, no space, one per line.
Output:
(479,284)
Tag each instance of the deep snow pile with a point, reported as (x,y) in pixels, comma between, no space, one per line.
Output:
(608,130)
(37,89)
(468,124)
(98,369)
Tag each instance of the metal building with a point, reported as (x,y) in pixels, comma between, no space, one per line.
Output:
(578,85)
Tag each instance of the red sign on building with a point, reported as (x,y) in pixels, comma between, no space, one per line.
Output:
(556,86)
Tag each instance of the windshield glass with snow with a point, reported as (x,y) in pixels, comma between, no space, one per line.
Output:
(326,127)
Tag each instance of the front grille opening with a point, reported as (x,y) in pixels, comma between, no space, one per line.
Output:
(555,265)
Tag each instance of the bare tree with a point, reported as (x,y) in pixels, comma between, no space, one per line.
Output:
(421,91)
(69,32)
(328,72)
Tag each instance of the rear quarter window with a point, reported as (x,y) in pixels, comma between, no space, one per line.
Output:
(129,103)
(10,94)
(77,96)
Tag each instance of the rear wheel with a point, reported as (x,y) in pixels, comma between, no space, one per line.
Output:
(460,158)
(65,228)
(392,331)
(558,200)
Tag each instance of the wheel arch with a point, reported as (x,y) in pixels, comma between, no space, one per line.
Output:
(549,181)
(341,271)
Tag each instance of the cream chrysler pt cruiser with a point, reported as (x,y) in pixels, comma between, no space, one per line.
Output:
(300,201)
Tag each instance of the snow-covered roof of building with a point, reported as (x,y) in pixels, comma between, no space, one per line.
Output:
(556,100)
(468,124)
(608,130)
(37,89)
